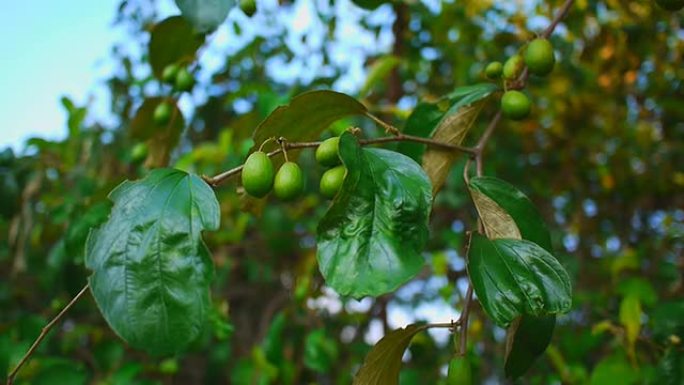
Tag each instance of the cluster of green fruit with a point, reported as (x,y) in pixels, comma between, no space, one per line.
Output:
(259,178)
(182,81)
(539,59)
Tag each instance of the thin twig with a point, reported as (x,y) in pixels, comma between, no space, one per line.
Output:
(463,342)
(43,333)
(224,176)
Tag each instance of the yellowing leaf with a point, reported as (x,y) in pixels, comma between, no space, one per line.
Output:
(383,362)
(497,222)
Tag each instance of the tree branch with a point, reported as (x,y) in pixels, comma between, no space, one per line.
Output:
(43,333)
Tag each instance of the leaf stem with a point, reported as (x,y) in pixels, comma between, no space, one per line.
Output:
(43,333)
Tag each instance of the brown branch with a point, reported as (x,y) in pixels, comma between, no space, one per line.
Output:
(43,333)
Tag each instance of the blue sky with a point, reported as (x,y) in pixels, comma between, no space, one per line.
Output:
(50,48)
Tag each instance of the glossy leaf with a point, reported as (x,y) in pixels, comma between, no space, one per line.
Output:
(371,239)
(307,115)
(172,41)
(516,277)
(205,15)
(526,339)
(383,362)
(630,318)
(467,102)
(150,268)
(498,203)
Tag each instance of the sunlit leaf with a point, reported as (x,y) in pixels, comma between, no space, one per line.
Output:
(150,268)
(514,277)
(378,71)
(383,362)
(371,239)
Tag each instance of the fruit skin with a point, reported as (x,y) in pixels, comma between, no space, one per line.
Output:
(539,57)
(515,105)
(139,152)
(289,181)
(459,372)
(162,114)
(512,67)
(670,5)
(169,73)
(327,154)
(493,70)
(331,181)
(248,7)
(257,174)
(184,80)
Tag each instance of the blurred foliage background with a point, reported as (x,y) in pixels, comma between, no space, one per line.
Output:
(602,156)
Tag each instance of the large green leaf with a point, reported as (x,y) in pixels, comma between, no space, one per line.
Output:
(173,40)
(498,203)
(466,104)
(150,268)
(507,213)
(514,277)
(306,116)
(370,240)
(205,15)
(383,362)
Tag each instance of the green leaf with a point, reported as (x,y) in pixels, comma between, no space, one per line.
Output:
(612,370)
(61,371)
(467,102)
(172,41)
(205,15)
(383,362)
(370,240)
(514,277)
(369,4)
(507,213)
(421,122)
(671,367)
(307,115)
(320,351)
(150,268)
(639,288)
(161,139)
(459,372)
(630,318)
(526,339)
(379,71)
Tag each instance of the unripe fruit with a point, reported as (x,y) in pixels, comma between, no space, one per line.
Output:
(327,154)
(513,67)
(539,57)
(289,181)
(248,7)
(459,372)
(257,174)
(670,5)
(169,73)
(162,114)
(184,80)
(493,70)
(139,152)
(515,105)
(331,181)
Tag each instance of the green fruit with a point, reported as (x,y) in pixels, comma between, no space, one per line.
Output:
(670,5)
(139,152)
(257,174)
(248,7)
(459,372)
(169,73)
(539,57)
(162,113)
(184,80)
(515,105)
(331,181)
(327,154)
(493,70)
(289,181)
(513,67)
